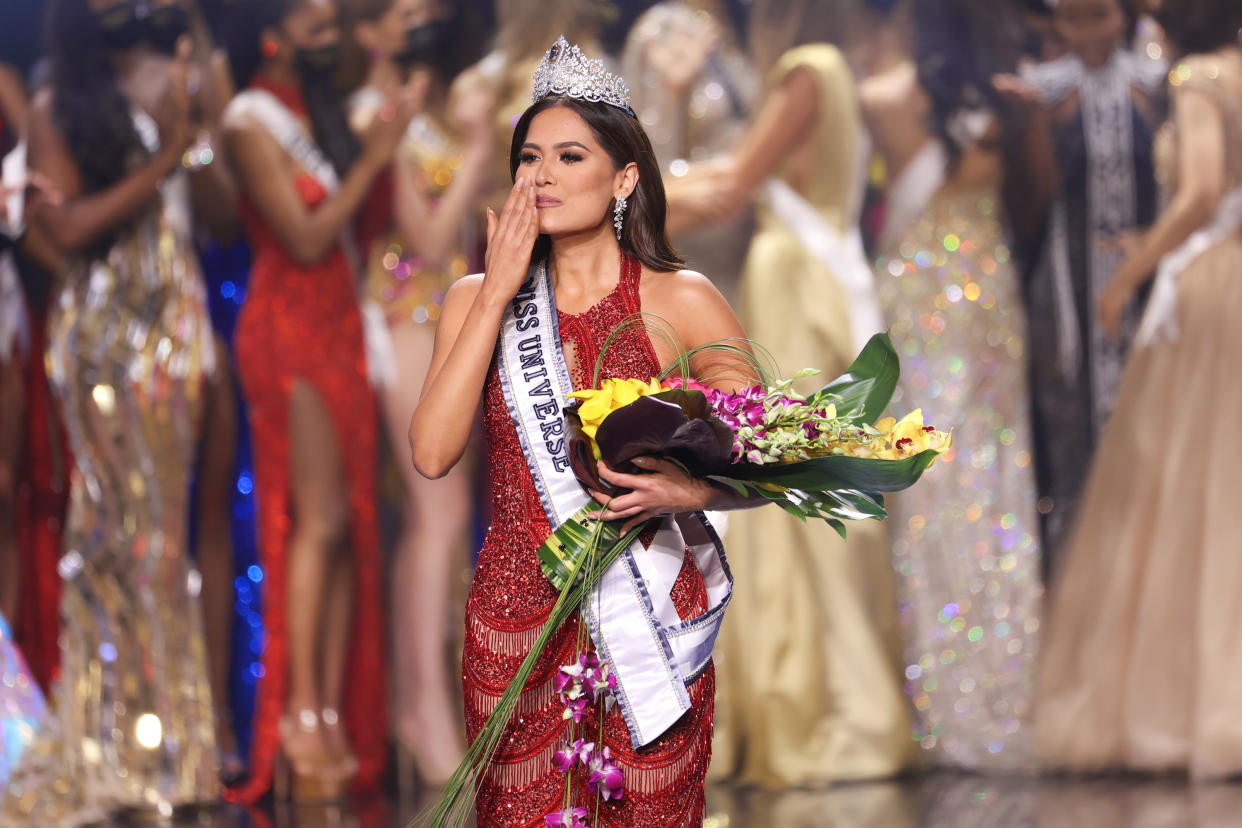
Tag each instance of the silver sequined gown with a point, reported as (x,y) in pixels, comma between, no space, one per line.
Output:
(965,542)
(129,344)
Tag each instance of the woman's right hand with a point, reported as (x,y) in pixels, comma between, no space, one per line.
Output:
(173,113)
(510,242)
(387,128)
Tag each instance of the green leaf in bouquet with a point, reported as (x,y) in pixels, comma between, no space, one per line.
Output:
(841,472)
(868,386)
(736,485)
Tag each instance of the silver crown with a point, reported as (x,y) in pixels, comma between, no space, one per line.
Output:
(565,70)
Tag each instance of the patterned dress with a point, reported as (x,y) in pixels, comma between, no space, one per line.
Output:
(510,600)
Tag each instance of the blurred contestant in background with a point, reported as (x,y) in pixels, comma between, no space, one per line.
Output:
(1097,108)
(129,348)
(967,549)
(303,362)
(694,87)
(423,247)
(810,688)
(1141,669)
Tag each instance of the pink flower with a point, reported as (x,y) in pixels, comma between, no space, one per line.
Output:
(602,683)
(568,818)
(688,383)
(575,708)
(606,779)
(565,758)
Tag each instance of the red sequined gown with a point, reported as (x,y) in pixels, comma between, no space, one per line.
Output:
(302,323)
(510,600)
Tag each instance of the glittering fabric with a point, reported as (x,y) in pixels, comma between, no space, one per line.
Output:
(21,704)
(966,544)
(301,323)
(510,600)
(133,714)
(407,288)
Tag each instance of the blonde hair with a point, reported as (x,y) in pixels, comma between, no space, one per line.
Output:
(526,28)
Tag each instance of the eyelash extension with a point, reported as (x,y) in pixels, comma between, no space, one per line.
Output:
(566,158)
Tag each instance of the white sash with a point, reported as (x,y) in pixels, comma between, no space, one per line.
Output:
(267,110)
(841,253)
(1160,318)
(630,613)
(12,305)
(913,188)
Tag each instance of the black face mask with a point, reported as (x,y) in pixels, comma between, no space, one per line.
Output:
(165,26)
(318,62)
(119,27)
(430,44)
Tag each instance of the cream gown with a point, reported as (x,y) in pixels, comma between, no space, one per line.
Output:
(965,540)
(808,660)
(1143,663)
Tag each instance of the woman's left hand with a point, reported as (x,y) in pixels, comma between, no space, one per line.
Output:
(666,489)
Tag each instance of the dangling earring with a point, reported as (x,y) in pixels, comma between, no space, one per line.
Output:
(270,48)
(618,215)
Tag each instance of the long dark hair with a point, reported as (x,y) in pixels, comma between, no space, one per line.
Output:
(325,105)
(1199,26)
(88,107)
(959,45)
(622,137)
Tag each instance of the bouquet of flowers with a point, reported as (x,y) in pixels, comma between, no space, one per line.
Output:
(827,455)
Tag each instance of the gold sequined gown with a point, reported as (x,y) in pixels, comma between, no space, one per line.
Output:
(397,279)
(1143,664)
(965,540)
(808,659)
(131,723)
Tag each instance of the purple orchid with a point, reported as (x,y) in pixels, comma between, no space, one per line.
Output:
(603,684)
(575,709)
(568,818)
(580,751)
(606,779)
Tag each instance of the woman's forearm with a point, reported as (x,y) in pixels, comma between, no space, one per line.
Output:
(1185,214)
(80,221)
(443,421)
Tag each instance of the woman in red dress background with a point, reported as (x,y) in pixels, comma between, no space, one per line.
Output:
(304,372)
(573,160)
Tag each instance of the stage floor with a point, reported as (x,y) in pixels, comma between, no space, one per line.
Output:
(932,801)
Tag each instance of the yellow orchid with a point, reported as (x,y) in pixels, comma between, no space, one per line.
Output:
(899,439)
(598,403)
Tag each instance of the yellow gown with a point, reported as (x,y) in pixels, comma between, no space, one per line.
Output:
(809,659)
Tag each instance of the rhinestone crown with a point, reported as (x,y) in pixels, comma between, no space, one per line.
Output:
(565,70)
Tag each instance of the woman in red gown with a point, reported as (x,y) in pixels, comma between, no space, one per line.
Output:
(304,372)
(573,162)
